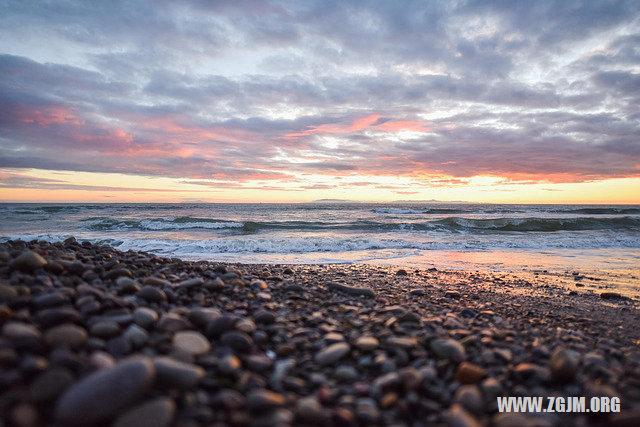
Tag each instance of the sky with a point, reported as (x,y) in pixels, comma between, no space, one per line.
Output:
(273,101)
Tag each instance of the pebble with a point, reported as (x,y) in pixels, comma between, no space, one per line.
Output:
(367,411)
(28,261)
(530,370)
(351,290)
(564,364)
(54,316)
(469,373)
(202,316)
(105,393)
(24,415)
(136,336)
(191,342)
(7,293)
(246,325)
(102,360)
(237,340)
(68,334)
(127,285)
(251,352)
(453,294)
(447,348)
(263,400)
(610,295)
(457,416)
(264,317)
(172,322)
(145,317)
(105,329)
(172,373)
(49,300)
(470,398)
(50,384)
(221,324)
(402,342)
(258,362)
(191,283)
(156,281)
(158,412)
(20,331)
(229,364)
(309,411)
(332,353)
(367,343)
(347,373)
(151,294)
(118,272)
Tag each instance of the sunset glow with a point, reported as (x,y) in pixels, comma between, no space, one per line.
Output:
(293,102)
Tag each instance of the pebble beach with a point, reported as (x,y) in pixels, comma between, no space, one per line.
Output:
(95,336)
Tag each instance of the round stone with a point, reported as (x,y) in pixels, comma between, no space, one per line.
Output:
(469,373)
(157,412)
(332,353)
(105,393)
(309,410)
(221,324)
(20,331)
(264,317)
(68,334)
(237,340)
(7,293)
(105,329)
(28,261)
(229,364)
(470,398)
(175,374)
(367,343)
(263,400)
(151,294)
(145,317)
(564,364)
(136,336)
(50,384)
(447,348)
(191,342)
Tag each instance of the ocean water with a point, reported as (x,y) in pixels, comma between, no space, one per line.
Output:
(413,234)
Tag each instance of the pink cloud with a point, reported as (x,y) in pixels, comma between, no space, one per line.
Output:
(363,123)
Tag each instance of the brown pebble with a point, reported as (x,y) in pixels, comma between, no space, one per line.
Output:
(469,373)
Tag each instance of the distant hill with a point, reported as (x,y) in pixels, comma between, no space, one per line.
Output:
(334,201)
(395,201)
(429,201)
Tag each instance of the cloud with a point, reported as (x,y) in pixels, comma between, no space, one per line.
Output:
(277,92)
(12,180)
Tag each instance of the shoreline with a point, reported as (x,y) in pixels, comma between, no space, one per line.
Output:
(314,344)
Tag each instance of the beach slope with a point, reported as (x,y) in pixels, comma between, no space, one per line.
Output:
(95,336)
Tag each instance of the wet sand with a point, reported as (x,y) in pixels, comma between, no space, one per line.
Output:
(201,343)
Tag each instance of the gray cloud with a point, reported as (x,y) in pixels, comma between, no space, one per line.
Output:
(229,90)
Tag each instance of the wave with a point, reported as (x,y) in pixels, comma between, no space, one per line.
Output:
(447,224)
(540,224)
(158,224)
(405,211)
(601,211)
(275,244)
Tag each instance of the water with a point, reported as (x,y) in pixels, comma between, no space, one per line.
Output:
(446,235)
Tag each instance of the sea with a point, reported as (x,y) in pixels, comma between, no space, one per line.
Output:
(447,235)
